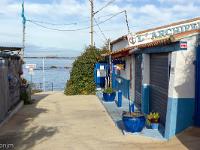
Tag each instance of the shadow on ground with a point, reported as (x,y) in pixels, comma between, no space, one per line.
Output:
(20,132)
(39,97)
(190,138)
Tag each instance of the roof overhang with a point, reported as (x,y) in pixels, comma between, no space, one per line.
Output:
(3,48)
(129,50)
(158,42)
(124,37)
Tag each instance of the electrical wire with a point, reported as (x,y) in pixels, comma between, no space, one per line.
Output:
(102,40)
(78,29)
(110,2)
(64,24)
(100,29)
(53,24)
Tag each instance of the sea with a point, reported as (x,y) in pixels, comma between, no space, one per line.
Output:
(53,78)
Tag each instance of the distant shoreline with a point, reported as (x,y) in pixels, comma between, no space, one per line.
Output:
(49,57)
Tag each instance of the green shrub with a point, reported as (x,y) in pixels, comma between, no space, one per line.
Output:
(24,95)
(81,80)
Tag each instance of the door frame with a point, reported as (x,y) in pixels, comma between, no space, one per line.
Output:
(197,87)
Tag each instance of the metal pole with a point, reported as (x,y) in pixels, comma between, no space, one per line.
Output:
(31,79)
(126,17)
(110,63)
(52,86)
(92,24)
(24,30)
(43,75)
(40,86)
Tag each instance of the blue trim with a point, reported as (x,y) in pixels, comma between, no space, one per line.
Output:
(159,49)
(145,98)
(197,88)
(180,112)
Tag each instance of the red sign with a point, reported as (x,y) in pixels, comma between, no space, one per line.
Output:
(183,45)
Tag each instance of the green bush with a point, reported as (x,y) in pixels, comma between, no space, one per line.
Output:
(81,80)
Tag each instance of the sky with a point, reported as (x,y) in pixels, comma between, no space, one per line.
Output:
(75,14)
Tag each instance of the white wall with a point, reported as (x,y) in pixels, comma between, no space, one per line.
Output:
(126,73)
(132,90)
(120,45)
(146,69)
(182,74)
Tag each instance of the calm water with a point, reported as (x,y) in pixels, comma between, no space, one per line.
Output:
(58,76)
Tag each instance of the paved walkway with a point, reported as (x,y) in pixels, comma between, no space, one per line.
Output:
(116,115)
(59,122)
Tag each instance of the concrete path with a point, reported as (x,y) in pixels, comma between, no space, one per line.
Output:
(59,122)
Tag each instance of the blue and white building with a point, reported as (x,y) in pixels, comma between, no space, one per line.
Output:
(161,73)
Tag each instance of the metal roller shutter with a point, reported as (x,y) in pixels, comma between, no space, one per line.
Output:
(159,80)
(138,80)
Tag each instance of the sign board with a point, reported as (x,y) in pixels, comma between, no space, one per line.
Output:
(101,73)
(120,66)
(101,67)
(31,71)
(146,37)
(183,45)
(33,66)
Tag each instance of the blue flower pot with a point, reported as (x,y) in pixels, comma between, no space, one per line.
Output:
(134,123)
(109,97)
(155,126)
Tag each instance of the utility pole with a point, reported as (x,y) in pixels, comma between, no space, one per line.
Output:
(24,29)
(24,32)
(92,23)
(126,17)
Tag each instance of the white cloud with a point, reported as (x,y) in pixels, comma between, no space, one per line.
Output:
(179,1)
(143,16)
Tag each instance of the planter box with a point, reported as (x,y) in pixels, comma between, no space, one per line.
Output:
(134,122)
(155,126)
(109,97)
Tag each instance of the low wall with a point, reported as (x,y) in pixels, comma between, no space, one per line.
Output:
(10,71)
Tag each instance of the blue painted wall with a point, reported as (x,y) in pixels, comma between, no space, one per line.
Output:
(100,81)
(180,113)
(123,86)
(145,98)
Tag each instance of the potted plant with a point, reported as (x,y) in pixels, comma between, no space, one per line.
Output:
(153,120)
(109,95)
(133,121)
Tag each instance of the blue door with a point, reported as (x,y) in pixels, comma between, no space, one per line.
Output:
(197,88)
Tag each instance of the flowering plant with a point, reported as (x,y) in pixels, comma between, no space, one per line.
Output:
(153,117)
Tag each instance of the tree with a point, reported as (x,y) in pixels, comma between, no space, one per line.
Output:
(81,80)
